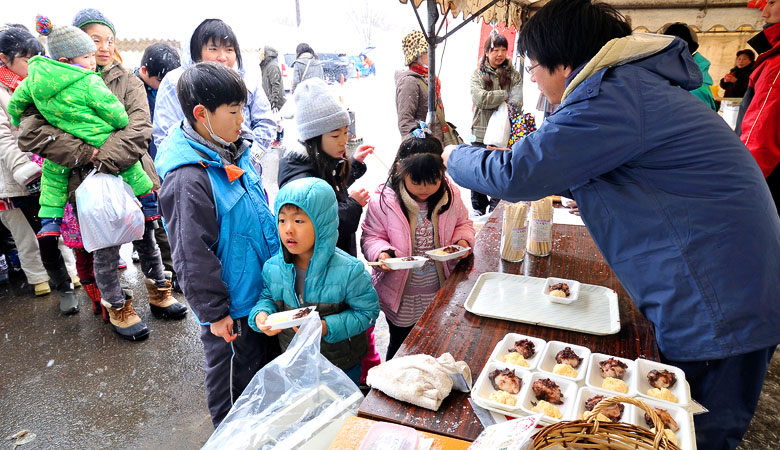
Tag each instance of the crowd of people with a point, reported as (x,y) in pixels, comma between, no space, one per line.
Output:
(680,206)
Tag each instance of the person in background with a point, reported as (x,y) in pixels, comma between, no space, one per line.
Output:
(157,61)
(20,181)
(221,229)
(311,271)
(417,210)
(307,65)
(272,86)
(678,207)
(759,114)
(122,149)
(684,32)
(735,83)
(213,40)
(494,82)
(411,90)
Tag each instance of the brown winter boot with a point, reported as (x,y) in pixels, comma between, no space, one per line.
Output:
(125,321)
(161,302)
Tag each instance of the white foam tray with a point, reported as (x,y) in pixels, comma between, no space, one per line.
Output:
(520,298)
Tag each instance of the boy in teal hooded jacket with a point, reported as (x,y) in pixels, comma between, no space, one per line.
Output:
(68,92)
(310,271)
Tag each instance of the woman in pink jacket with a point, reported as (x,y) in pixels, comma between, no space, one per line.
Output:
(415,211)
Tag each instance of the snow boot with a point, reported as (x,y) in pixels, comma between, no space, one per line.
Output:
(125,321)
(161,302)
(42,288)
(60,281)
(90,287)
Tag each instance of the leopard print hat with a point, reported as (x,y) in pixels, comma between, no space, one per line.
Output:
(414,45)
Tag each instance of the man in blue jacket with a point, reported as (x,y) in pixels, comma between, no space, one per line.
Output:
(672,198)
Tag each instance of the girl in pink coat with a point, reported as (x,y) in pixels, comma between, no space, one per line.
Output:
(418,209)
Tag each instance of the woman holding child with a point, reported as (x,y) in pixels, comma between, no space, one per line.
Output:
(122,149)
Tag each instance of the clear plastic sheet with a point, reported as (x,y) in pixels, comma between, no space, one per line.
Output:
(108,212)
(299,400)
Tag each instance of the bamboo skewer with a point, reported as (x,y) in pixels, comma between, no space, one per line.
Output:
(540,227)
(514,231)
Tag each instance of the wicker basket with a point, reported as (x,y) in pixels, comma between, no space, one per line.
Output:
(593,434)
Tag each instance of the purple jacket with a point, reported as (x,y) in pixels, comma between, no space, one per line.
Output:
(386,228)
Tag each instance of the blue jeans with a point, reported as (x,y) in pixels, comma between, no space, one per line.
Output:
(354,373)
(729,388)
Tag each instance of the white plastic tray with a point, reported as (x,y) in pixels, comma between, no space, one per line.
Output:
(520,299)
(502,349)
(283,320)
(438,255)
(400,264)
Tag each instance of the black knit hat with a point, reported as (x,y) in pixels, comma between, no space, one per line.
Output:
(91,15)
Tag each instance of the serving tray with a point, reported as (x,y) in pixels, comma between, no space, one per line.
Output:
(520,298)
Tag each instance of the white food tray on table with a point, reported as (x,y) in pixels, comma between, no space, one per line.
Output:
(520,298)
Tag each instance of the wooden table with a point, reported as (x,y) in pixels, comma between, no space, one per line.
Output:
(355,429)
(447,327)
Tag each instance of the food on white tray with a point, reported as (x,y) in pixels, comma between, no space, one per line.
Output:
(505,380)
(613,368)
(613,412)
(663,394)
(525,348)
(665,417)
(567,356)
(548,390)
(559,290)
(448,250)
(516,359)
(661,379)
(565,370)
(503,398)
(303,312)
(613,384)
(547,409)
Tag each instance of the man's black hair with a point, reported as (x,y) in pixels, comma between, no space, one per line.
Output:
(685,33)
(570,32)
(216,31)
(17,41)
(304,48)
(159,59)
(209,84)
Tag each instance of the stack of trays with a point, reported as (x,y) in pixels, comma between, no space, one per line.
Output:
(577,389)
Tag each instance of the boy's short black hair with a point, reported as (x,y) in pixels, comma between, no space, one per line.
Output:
(684,32)
(570,32)
(292,206)
(159,59)
(304,48)
(216,31)
(16,41)
(211,85)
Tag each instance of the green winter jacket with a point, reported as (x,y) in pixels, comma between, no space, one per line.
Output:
(703,92)
(486,101)
(71,98)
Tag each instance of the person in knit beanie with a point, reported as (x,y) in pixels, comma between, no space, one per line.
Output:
(71,96)
(321,152)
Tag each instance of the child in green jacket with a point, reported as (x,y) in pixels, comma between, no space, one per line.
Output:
(72,96)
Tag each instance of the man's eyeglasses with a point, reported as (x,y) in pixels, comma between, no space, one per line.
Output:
(530,69)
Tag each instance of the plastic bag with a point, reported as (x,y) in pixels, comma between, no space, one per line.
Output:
(109,214)
(299,400)
(498,128)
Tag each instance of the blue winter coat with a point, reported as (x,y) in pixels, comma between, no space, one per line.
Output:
(247,229)
(671,197)
(337,283)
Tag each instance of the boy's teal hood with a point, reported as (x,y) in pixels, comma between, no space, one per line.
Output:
(317,199)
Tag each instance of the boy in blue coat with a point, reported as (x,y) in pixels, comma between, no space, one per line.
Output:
(220,227)
(311,271)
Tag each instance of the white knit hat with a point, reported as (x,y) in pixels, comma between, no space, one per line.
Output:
(316,110)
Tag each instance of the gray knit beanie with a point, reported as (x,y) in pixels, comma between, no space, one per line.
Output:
(316,110)
(90,15)
(64,42)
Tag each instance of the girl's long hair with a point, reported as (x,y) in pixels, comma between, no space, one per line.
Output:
(420,159)
(504,78)
(325,166)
